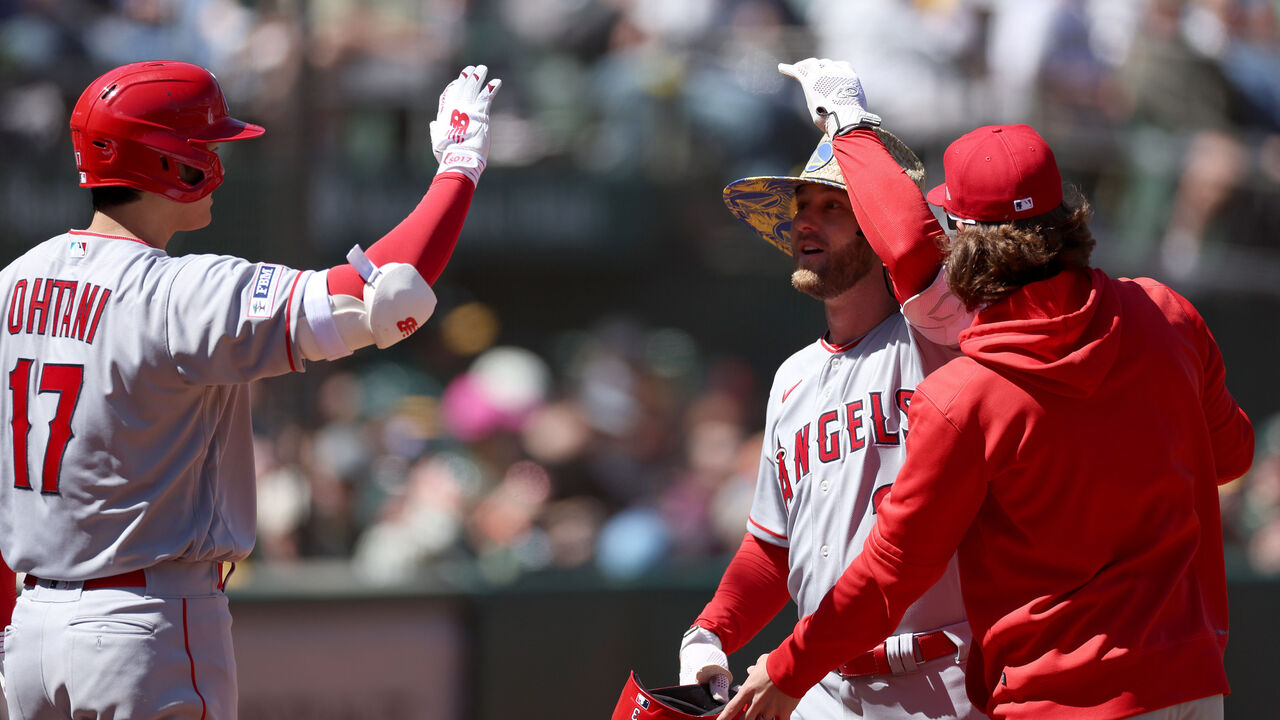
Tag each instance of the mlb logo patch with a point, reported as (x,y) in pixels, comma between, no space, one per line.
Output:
(262,296)
(642,701)
(77,249)
(1025,203)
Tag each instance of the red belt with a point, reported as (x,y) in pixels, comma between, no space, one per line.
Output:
(926,646)
(136,578)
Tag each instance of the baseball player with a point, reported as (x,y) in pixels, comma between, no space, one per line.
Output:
(127,461)
(837,418)
(1069,459)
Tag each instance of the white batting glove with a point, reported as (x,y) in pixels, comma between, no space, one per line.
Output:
(833,93)
(703,661)
(460,132)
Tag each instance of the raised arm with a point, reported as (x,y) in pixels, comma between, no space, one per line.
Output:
(383,295)
(891,211)
(884,181)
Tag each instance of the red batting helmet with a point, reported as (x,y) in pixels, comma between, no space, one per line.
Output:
(680,702)
(135,124)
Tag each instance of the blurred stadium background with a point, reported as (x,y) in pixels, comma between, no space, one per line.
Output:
(537,493)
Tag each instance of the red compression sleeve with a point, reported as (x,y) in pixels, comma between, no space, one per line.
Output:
(752,591)
(424,239)
(892,212)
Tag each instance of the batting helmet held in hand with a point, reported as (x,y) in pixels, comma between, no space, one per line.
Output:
(136,125)
(680,702)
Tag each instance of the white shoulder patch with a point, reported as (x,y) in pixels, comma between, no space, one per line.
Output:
(262,297)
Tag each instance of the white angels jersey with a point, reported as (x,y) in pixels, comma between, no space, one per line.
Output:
(835,427)
(126,436)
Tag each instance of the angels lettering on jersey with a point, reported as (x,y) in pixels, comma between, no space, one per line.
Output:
(837,432)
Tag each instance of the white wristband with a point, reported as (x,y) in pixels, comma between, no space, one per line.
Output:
(462,160)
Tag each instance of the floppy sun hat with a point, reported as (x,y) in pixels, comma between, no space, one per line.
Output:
(768,203)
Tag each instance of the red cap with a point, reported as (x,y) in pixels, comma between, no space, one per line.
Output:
(999,173)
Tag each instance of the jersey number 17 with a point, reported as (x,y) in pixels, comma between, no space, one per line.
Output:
(66,381)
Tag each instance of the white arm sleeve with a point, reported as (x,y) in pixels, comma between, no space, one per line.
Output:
(318,335)
(937,314)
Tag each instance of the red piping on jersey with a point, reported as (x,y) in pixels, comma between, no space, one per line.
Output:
(753,522)
(186,641)
(288,313)
(831,348)
(110,237)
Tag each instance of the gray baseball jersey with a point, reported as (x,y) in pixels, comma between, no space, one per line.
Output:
(834,442)
(833,445)
(127,437)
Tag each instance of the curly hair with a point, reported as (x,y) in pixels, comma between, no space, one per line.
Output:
(988,261)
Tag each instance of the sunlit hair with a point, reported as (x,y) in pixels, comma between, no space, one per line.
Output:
(988,261)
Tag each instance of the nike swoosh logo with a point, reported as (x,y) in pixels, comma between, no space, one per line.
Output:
(793,387)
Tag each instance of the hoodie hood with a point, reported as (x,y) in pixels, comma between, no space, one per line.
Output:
(1061,335)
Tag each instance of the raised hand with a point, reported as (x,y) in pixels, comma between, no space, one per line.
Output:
(833,93)
(460,132)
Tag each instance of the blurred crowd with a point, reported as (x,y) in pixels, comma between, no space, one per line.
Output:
(630,445)
(1169,108)
(631,450)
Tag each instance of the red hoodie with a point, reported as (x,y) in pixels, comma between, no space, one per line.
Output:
(1071,458)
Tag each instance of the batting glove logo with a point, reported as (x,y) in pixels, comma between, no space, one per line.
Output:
(852,91)
(458,123)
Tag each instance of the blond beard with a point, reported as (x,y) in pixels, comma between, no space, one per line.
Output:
(842,273)
(808,282)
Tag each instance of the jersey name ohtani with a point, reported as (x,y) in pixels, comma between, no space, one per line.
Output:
(839,431)
(56,308)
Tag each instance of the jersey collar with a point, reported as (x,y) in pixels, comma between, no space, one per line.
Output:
(833,348)
(110,237)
